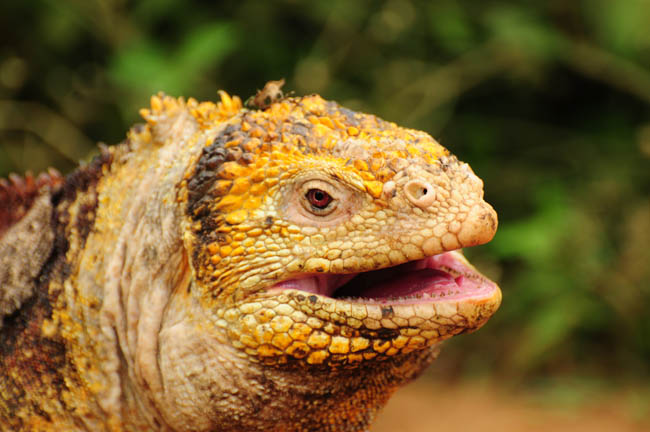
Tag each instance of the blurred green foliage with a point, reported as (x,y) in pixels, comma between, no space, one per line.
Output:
(548,101)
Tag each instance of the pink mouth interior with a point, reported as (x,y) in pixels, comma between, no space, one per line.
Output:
(443,276)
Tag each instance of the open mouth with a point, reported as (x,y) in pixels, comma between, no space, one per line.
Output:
(446,276)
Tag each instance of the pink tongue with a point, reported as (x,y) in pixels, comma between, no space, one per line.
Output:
(425,281)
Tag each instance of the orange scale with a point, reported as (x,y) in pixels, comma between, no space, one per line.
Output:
(230,203)
(232,170)
(361,165)
(326,121)
(257,132)
(365,175)
(233,143)
(240,186)
(252,203)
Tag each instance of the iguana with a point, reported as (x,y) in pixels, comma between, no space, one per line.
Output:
(283,267)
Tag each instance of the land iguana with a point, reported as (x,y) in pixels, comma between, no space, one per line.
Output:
(281,267)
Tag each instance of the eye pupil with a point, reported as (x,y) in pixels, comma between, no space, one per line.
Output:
(319,198)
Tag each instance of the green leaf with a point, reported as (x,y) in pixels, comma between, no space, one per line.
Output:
(548,327)
(621,25)
(143,67)
(205,46)
(451,26)
(539,237)
(522,29)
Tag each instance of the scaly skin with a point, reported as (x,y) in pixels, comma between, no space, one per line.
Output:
(153,293)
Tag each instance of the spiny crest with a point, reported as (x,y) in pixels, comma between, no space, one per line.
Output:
(207,114)
(17,194)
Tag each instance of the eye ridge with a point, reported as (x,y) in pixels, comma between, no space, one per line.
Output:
(318,198)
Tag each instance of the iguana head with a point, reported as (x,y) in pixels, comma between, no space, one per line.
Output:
(324,235)
(322,240)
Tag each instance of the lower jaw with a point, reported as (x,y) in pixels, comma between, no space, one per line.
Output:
(388,326)
(435,318)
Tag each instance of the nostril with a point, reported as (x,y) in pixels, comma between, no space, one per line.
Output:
(420,193)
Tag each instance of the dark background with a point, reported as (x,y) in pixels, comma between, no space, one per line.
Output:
(548,101)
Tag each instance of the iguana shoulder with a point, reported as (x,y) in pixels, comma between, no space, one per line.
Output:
(281,267)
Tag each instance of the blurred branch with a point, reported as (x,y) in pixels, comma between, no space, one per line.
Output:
(446,83)
(104,19)
(596,63)
(55,130)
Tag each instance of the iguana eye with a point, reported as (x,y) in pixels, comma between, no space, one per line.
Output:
(319,200)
